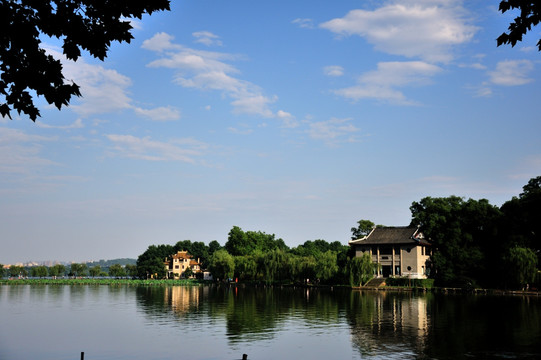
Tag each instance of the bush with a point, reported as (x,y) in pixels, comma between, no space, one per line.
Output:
(407,282)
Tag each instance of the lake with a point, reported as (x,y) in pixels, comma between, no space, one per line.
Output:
(46,322)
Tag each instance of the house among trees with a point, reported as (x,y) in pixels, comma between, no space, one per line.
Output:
(398,251)
(181,264)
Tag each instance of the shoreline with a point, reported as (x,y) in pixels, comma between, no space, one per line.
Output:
(197,282)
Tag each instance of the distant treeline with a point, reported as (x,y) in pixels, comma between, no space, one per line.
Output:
(123,267)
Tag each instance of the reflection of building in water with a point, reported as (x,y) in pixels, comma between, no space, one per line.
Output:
(389,321)
(182,298)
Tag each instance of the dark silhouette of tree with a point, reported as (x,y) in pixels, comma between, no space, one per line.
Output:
(89,25)
(530,15)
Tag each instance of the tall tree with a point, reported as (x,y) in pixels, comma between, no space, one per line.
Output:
(326,266)
(131,270)
(222,265)
(117,270)
(95,271)
(238,243)
(364,227)
(214,246)
(530,15)
(461,231)
(521,217)
(19,271)
(151,262)
(90,25)
(57,270)
(360,270)
(77,269)
(38,271)
(521,266)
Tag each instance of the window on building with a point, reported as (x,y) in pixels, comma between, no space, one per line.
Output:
(409,268)
(176,266)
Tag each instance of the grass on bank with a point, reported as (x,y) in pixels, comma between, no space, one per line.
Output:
(94,281)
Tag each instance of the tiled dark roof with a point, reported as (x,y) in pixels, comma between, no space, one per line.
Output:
(391,236)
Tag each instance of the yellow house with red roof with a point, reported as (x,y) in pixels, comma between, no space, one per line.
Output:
(177,264)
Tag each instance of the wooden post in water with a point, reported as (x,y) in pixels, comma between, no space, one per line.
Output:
(244,356)
(82,355)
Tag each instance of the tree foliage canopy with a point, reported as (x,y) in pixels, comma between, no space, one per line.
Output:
(530,15)
(461,231)
(89,25)
(364,227)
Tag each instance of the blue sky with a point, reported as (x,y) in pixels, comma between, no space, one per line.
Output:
(293,118)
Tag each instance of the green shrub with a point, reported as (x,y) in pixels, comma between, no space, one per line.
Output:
(413,283)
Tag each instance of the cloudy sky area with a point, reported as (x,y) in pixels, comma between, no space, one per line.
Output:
(292,118)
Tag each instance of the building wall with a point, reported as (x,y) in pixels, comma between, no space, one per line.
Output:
(409,260)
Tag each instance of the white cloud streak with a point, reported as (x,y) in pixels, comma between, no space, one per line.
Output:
(304,23)
(512,73)
(21,152)
(105,90)
(382,84)
(206,70)
(207,38)
(333,70)
(333,132)
(183,150)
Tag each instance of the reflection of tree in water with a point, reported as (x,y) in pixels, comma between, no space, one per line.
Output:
(259,313)
(388,323)
(485,326)
(438,326)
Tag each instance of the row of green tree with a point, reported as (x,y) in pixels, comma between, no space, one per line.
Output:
(254,256)
(474,244)
(74,270)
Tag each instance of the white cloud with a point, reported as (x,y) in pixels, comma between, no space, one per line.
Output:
(288,120)
(304,23)
(206,70)
(207,38)
(333,70)
(239,131)
(412,28)
(164,113)
(77,124)
(382,84)
(333,131)
(160,42)
(512,73)
(21,152)
(184,150)
(103,91)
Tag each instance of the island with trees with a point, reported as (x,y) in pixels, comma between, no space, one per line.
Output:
(475,245)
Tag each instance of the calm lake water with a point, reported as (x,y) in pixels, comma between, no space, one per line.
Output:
(151,323)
